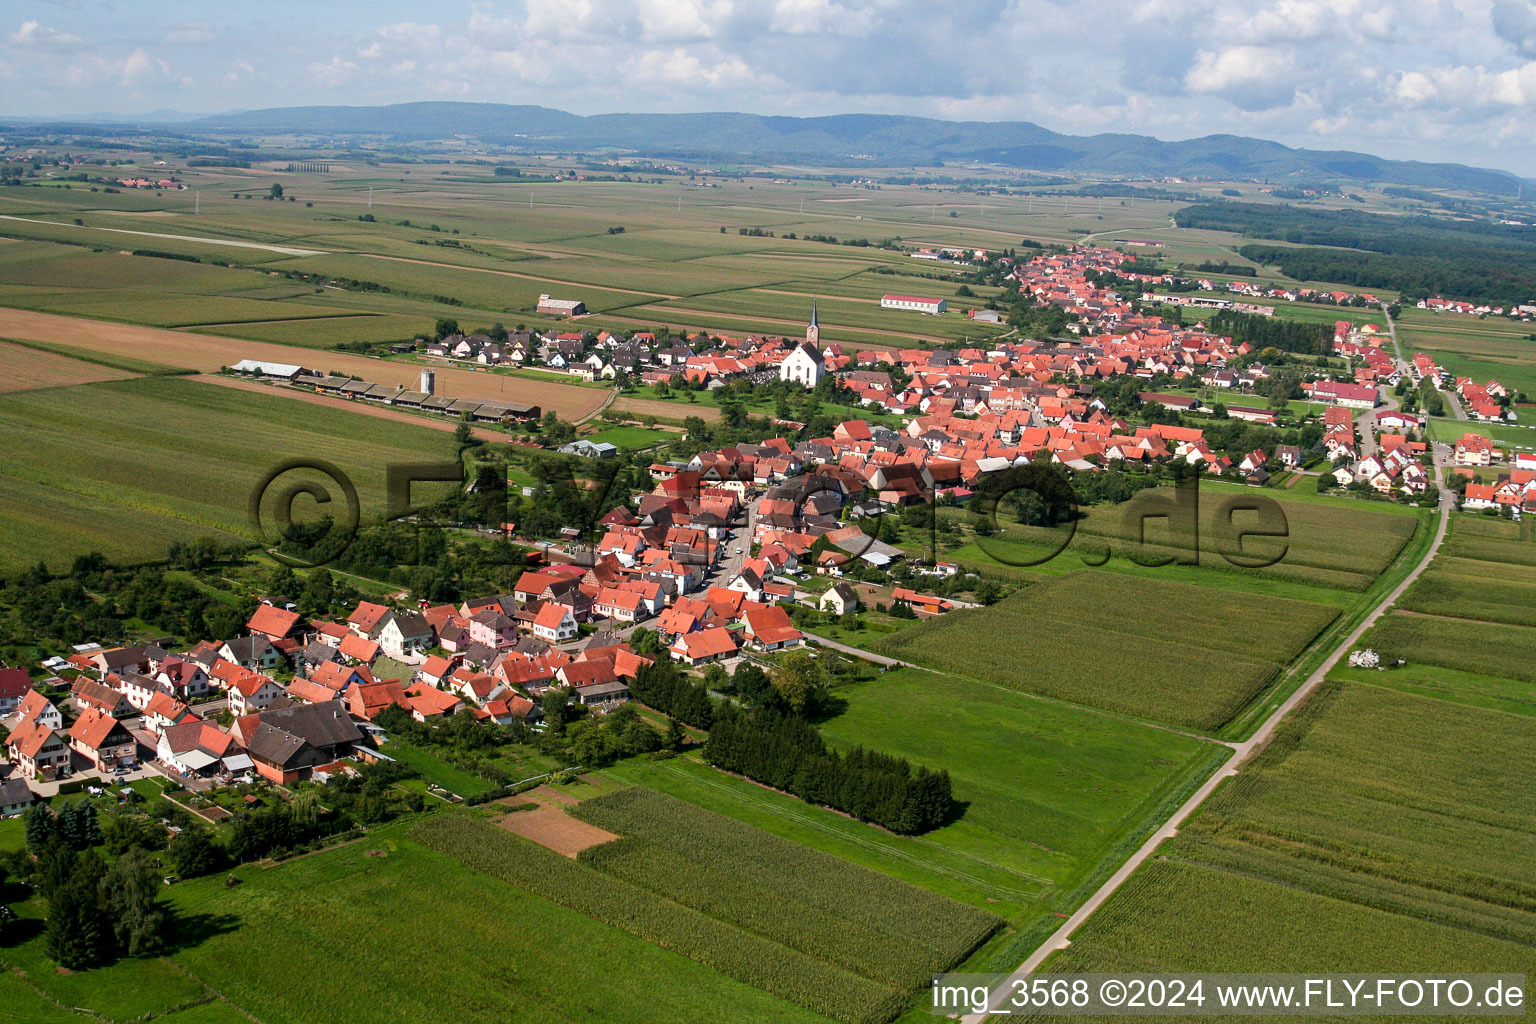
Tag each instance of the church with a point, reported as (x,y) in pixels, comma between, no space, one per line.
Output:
(805,365)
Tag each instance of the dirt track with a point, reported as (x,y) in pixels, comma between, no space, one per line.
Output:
(209,352)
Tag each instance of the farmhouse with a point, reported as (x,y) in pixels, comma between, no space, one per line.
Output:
(913,302)
(287,744)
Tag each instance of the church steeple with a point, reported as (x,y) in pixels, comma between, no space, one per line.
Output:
(813,329)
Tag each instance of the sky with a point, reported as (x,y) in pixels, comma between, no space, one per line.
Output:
(1437,80)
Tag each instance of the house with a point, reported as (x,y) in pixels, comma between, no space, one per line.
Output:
(406,635)
(492,627)
(1474,450)
(368,700)
(1479,497)
(706,645)
(90,694)
(38,751)
(15,684)
(164,711)
(286,744)
(357,650)
(37,708)
(250,692)
(253,652)
(429,702)
(367,619)
(1289,455)
(554,623)
(102,740)
(273,623)
(200,748)
(840,600)
(15,797)
(770,628)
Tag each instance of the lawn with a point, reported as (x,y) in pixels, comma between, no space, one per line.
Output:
(125,467)
(633,437)
(1169,652)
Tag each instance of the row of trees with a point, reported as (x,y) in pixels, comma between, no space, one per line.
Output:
(787,753)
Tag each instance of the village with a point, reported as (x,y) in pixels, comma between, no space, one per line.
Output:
(708,567)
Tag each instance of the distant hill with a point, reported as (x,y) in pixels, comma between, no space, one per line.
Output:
(876,139)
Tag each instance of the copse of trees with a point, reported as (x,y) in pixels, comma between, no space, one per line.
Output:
(1301,336)
(787,753)
(664,687)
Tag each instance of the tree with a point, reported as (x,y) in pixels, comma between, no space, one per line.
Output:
(40,827)
(276,191)
(77,936)
(675,737)
(193,853)
(464,434)
(556,704)
(645,641)
(801,681)
(446,326)
(129,896)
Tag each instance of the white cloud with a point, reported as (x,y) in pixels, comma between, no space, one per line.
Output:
(331,73)
(1251,77)
(33,33)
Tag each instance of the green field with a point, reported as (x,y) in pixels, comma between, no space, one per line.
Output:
(126,467)
(834,938)
(1388,823)
(1169,652)
(523,958)
(1372,834)
(1327,543)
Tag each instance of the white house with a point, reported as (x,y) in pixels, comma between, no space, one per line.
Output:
(406,635)
(554,623)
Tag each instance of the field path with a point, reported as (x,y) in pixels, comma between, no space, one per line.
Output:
(207,353)
(282,250)
(1241,752)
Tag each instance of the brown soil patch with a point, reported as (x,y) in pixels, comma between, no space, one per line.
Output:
(549,826)
(208,352)
(643,407)
(550,795)
(26,369)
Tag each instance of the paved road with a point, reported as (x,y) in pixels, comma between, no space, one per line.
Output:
(1240,755)
(1366,422)
(878,659)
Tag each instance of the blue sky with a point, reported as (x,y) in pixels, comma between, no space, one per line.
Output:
(1418,79)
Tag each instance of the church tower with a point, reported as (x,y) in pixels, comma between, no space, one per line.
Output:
(813,329)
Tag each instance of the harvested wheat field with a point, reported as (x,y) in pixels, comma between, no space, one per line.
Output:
(209,352)
(28,369)
(549,825)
